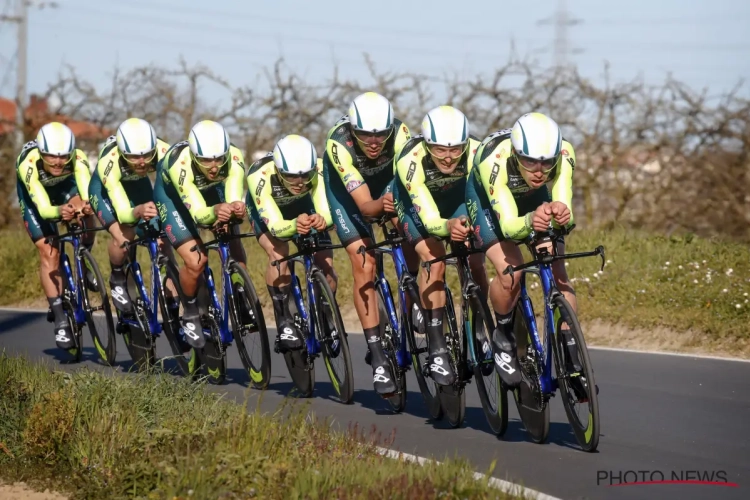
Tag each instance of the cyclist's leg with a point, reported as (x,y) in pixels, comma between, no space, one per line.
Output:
(353,233)
(49,264)
(431,287)
(503,290)
(120,234)
(183,235)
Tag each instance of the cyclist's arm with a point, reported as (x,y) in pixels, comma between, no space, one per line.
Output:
(493,169)
(235,182)
(343,162)
(320,200)
(562,187)
(402,137)
(428,211)
(28,174)
(161,149)
(260,187)
(181,175)
(109,173)
(82,174)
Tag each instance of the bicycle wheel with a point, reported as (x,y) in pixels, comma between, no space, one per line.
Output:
(335,349)
(453,397)
(389,341)
(418,345)
(98,311)
(139,341)
(531,403)
(213,355)
(188,361)
(249,328)
(488,381)
(77,351)
(586,429)
(301,368)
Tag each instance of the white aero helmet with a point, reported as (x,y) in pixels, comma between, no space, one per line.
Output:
(136,137)
(372,113)
(537,137)
(445,126)
(208,141)
(56,139)
(295,158)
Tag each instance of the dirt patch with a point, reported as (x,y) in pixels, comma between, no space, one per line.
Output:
(22,491)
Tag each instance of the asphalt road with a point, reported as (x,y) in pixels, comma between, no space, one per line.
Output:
(661,414)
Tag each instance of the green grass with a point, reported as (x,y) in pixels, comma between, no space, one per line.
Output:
(92,435)
(637,287)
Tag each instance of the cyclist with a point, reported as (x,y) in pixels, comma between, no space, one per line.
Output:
(52,183)
(429,193)
(199,181)
(120,192)
(286,196)
(358,167)
(522,180)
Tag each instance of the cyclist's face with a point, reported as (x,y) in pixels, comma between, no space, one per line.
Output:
(446,158)
(140,163)
(211,167)
(55,164)
(372,143)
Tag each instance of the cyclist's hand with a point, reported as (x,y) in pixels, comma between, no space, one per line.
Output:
(223,212)
(87,209)
(541,218)
(318,222)
(68,212)
(459,229)
(303,223)
(388,203)
(145,211)
(238,209)
(560,212)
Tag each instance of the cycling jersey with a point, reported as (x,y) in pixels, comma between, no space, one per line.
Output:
(116,188)
(273,208)
(184,195)
(43,187)
(346,168)
(425,197)
(508,202)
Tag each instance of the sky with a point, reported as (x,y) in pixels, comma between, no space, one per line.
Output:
(705,44)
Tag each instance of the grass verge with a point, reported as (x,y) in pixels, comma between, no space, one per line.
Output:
(92,435)
(650,281)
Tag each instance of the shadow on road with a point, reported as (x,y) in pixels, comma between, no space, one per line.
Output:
(18,320)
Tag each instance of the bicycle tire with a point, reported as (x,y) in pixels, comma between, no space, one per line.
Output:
(213,355)
(587,436)
(107,351)
(344,388)
(301,368)
(532,407)
(434,407)
(244,297)
(75,352)
(479,315)
(186,357)
(139,342)
(453,397)
(398,400)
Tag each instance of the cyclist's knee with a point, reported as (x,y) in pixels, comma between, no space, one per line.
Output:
(194,262)
(363,265)
(49,255)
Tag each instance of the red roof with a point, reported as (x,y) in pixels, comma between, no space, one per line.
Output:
(37,114)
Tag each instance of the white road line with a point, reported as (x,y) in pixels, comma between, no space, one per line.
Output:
(504,486)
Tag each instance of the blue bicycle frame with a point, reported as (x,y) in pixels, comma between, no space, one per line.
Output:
(76,293)
(222,308)
(152,301)
(402,354)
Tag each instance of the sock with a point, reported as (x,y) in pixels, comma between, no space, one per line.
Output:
(57,309)
(372,336)
(434,326)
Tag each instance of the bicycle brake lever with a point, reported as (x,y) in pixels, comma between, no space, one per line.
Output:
(509,270)
(428,267)
(361,250)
